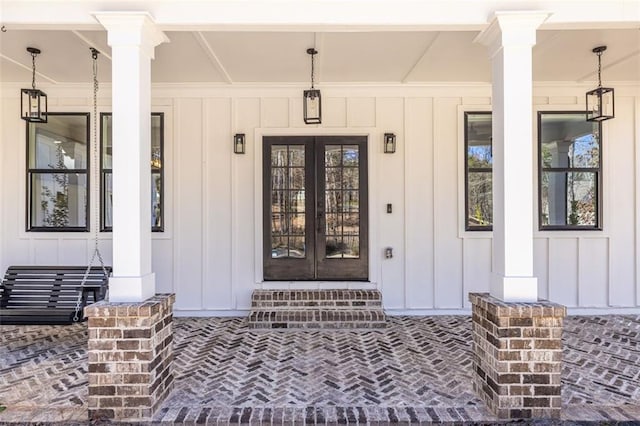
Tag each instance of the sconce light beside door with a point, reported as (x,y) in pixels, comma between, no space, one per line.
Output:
(239,143)
(389,143)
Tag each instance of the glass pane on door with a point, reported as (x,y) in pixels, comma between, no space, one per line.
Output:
(288,221)
(342,180)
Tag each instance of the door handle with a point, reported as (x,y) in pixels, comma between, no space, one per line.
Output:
(319,222)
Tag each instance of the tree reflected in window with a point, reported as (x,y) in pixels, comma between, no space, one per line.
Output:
(58,153)
(478,171)
(569,174)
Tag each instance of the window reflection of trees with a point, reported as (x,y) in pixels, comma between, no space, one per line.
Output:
(479,162)
(341,201)
(342,178)
(57,172)
(570,159)
(479,188)
(288,201)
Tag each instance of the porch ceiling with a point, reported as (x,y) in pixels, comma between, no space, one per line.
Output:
(344,57)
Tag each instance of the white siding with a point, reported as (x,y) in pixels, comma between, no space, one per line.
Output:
(563,270)
(390,183)
(189,204)
(621,182)
(448,247)
(419,247)
(247,118)
(593,272)
(218,212)
(209,253)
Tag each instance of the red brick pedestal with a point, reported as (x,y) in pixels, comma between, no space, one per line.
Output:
(517,357)
(130,357)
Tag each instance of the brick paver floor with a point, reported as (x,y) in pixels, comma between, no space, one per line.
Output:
(418,369)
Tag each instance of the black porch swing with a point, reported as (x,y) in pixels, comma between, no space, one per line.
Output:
(56,294)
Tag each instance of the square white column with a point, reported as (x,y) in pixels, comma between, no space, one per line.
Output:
(133,37)
(510,38)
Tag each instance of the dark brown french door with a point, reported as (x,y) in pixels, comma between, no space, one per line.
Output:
(315,208)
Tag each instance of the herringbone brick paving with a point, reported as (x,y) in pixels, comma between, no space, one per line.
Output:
(415,370)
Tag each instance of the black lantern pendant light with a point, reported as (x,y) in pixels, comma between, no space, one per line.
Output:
(312,103)
(33,103)
(600,104)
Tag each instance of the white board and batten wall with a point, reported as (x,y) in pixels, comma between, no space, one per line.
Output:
(210,252)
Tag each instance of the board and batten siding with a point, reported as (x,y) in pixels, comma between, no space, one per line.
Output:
(210,252)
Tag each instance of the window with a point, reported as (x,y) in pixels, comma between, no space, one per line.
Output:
(478,164)
(157,178)
(570,175)
(57,179)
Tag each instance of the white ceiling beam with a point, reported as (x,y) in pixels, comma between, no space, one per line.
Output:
(89,43)
(213,58)
(421,58)
(320,15)
(28,68)
(610,65)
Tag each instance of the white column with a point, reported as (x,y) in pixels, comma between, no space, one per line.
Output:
(133,37)
(510,38)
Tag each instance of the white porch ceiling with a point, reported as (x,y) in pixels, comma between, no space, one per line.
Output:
(344,57)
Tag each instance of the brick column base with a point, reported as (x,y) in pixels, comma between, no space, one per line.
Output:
(130,357)
(517,356)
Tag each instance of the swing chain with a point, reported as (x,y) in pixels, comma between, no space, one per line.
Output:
(96,250)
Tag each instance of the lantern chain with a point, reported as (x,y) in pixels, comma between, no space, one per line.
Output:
(599,68)
(33,70)
(312,68)
(312,51)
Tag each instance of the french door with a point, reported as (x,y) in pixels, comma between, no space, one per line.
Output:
(315,208)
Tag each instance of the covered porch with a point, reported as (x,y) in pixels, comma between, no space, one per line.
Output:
(214,70)
(189,82)
(416,370)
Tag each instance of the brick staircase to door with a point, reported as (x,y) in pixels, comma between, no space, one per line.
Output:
(316,309)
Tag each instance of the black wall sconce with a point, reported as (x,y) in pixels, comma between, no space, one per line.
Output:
(600,103)
(238,143)
(389,143)
(33,102)
(312,101)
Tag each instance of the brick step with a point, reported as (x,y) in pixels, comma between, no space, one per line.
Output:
(285,299)
(317,318)
(316,309)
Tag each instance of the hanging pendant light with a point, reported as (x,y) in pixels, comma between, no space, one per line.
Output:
(33,103)
(312,103)
(600,103)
